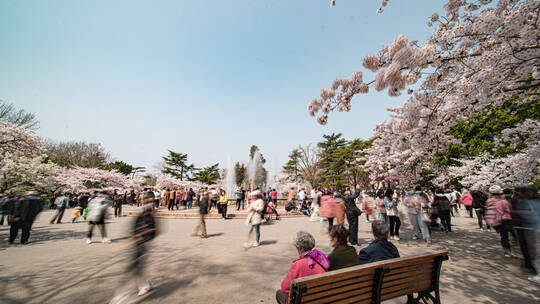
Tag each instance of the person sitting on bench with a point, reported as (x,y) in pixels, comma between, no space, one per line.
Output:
(311,261)
(380,249)
(343,255)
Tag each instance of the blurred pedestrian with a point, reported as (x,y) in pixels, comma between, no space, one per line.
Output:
(466,199)
(61,204)
(442,205)
(254,217)
(98,207)
(479,206)
(328,208)
(203,211)
(499,217)
(144,230)
(25,211)
(117,197)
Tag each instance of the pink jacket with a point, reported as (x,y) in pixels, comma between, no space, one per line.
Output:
(328,206)
(497,210)
(380,205)
(299,269)
(466,199)
(410,202)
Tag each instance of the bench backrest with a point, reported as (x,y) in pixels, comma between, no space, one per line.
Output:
(370,283)
(349,285)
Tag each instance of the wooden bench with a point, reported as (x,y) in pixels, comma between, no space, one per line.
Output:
(374,282)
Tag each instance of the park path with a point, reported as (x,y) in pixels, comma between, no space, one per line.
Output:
(58,267)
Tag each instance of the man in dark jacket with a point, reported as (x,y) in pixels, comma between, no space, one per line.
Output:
(203,210)
(25,211)
(380,249)
(353,212)
(189,197)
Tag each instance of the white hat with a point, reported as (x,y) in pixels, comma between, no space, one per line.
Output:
(256,192)
(495,189)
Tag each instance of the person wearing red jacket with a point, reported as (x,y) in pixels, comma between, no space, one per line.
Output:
(310,262)
(498,216)
(466,199)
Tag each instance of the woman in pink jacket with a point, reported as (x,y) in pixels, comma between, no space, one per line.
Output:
(328,207)
(498,216)
(310,262)
(381,208)
(466,199)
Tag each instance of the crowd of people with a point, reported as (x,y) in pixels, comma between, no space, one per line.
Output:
(510,212)
(513,213)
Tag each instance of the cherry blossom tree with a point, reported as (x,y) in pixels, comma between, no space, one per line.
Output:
(18,141)
(167,181)
(76,180)
(20,174)
(480,54)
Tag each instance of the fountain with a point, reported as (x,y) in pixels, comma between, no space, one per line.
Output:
(271,174)
(229,183)
(252,166)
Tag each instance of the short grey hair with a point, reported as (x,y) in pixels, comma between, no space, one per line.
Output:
(379,228)
(304,241)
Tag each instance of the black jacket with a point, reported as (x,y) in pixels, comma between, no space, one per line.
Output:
(203,205)
(27,209)
(350,205)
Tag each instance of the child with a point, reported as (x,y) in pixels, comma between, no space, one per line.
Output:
(75,214)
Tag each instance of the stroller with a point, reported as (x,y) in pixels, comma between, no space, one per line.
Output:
(271,209)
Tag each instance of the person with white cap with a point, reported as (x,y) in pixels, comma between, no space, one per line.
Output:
(255,217)
(498,216)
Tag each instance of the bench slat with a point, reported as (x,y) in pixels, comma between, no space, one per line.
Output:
(363,292)
(412,278)
(403,262)
(328,277)
(421,286)
(357,300)
(420,272)
(360,282)
(396,270)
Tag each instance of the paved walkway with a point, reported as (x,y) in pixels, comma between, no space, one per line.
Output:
(232,213)
(58,267)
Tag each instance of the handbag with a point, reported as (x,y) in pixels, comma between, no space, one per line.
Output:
(425,217)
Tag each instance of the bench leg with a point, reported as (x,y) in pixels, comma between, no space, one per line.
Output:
(423,297)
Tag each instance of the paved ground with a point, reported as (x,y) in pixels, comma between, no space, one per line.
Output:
(58,267)
(232,213)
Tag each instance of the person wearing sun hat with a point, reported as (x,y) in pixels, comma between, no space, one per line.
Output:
(498,216)
(254,218)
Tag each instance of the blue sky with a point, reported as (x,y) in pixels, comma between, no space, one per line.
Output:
(207,78)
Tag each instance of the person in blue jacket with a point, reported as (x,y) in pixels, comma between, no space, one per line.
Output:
(380,248)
